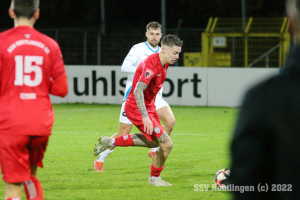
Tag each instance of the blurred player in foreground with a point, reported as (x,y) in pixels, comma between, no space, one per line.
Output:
(138,53)
(265,145)
(140,109)
(31,67)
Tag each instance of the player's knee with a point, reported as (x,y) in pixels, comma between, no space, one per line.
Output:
(171,122)
(168,146)
(171,145)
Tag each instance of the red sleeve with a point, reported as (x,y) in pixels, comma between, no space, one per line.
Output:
(0,74)
(59,82)
(148,73)
(59,86)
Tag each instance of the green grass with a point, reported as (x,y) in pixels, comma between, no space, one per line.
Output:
(201,147)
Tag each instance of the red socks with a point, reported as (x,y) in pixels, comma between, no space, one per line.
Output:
(125,141)
(155,171)
(33,189)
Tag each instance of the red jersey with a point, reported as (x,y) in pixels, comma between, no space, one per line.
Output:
(31,67)
(153,74)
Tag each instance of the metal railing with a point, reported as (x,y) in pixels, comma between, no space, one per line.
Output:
(91,47)
(265,55)
(262,38)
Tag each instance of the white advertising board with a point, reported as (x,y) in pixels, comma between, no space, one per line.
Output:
(186,86)
(227,86)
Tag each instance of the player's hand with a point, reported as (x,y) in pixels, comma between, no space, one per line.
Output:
(148,125)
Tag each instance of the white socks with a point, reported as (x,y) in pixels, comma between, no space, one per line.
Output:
(155,149)
(113,141)
(153,177)
(103,155)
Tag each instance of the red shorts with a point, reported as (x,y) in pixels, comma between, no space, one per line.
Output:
(135,116)
(18,153)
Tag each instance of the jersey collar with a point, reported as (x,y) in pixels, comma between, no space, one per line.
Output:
(151,48)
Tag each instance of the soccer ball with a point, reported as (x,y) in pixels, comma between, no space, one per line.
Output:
(221,178)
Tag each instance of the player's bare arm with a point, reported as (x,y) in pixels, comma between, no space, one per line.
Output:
(139,98)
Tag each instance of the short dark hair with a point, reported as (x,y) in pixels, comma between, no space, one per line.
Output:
(154,25)
(25,8)
(171,40)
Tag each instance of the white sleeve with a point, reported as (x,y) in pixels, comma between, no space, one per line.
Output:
(130,62)
(128,67)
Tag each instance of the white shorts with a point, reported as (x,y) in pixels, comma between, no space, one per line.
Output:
(159,103)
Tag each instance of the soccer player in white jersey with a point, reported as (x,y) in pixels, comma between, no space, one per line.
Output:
(138,53)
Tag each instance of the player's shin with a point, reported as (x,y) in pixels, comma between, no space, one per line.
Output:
(163,152)
(158,159)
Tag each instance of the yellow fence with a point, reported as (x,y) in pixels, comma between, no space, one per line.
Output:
(263,43)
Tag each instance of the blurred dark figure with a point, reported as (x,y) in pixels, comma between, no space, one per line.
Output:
(265,146)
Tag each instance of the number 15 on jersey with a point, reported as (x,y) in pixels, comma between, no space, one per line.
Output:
(24,66)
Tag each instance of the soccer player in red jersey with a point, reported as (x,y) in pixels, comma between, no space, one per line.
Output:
(135,56)
(31,68)
(140,109)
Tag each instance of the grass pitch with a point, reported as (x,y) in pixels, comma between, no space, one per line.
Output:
(201,139)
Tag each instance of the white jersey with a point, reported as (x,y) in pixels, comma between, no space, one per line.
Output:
(137,53)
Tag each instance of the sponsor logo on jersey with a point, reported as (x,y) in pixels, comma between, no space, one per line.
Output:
(156,129)
(149,73)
